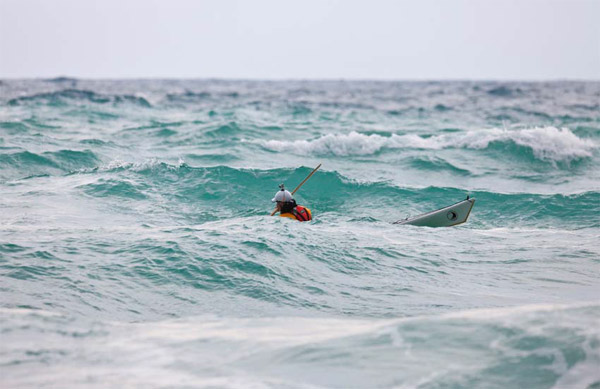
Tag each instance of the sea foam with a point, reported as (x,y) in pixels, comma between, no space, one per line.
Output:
(546,143)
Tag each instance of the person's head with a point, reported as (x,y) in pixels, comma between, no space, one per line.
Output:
(284,199)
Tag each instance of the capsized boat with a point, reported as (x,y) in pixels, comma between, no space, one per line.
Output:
(444,217)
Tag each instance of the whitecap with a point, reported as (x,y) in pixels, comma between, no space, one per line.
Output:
(547,143)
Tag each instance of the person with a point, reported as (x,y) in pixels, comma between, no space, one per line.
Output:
(287,207)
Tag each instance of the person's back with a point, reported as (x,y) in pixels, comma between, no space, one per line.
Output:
(287,207)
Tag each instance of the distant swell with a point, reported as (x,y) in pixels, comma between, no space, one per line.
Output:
(63,96)
(546,143)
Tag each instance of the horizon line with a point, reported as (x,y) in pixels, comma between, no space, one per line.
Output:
(296,79)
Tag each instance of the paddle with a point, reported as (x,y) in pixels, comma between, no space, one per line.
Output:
(299,185)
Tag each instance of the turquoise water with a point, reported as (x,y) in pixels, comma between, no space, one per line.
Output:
(136,247)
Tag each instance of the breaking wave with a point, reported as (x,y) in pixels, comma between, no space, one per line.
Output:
(546,143)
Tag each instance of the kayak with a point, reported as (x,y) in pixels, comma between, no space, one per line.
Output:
(445,217)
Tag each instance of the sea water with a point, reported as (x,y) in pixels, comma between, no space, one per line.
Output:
(137,250)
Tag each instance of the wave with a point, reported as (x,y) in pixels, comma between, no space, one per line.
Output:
(114,188)
(353,143)
(546,143)
(199,97)
(227,131)
(246,191)
(60,98)
(223,184)
(14,127)
(436,164)
(62,79)
(24,163)
(550,346)
(504,91)
(217,134)
(188,97)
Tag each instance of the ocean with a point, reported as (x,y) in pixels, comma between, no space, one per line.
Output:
(137,250)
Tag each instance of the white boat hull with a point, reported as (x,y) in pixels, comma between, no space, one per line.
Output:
(445,217)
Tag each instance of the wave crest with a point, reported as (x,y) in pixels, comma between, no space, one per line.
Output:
(353,143)
(546,143)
